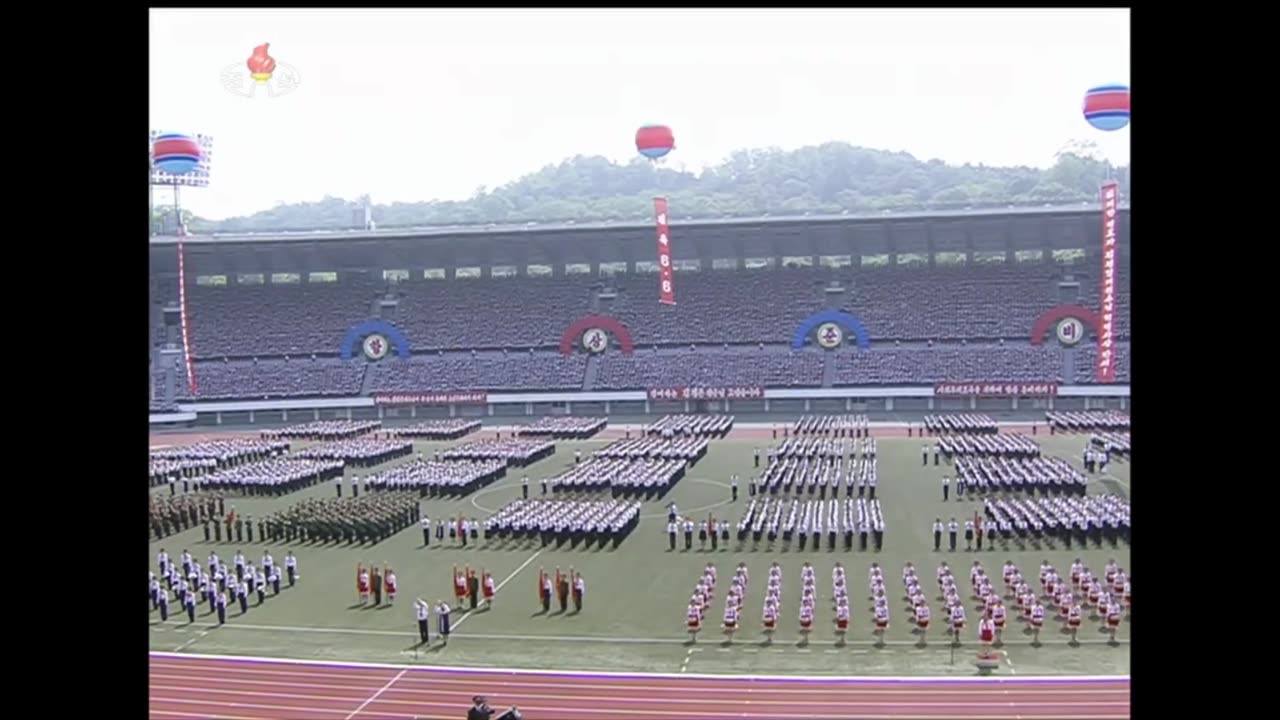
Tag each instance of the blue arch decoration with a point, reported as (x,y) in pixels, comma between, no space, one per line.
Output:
(850,324)
(359,332)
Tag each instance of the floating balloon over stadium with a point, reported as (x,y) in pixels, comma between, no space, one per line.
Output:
(655,141)
(175,153)
(1106,107)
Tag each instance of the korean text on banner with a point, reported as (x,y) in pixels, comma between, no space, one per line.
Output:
(666,285)
(1106,370)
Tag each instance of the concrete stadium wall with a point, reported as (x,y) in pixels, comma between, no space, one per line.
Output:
(910,405)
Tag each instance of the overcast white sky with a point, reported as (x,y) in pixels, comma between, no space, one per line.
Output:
(410,105)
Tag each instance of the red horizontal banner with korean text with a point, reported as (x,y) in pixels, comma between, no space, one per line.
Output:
(1106,370)
(431,398)
(706,393)
(995,389)
(666,279)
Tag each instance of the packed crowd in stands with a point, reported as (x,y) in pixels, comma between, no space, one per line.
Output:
(1086,358)
(983,301)
(359,452)
(801,520)
(848,426)
(710,367)
(687,448)
(565,522)
(1088,420)
(708,426)
(514,452)
(325,430)
(646,479)
(796,476)
(277,476)
(438,479)
(480,371)
(914,365)
(500,333)
(451,429)
(563,428)
(296,377)
(1000,446)
(963,424)
(1090,518)
(1039,475)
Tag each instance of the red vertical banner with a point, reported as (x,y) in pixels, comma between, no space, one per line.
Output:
(192,387)
(666,285)
(1106,368)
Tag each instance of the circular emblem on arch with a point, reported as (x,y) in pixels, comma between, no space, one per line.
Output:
(1070,331)
(830,335)
(848,325)
(578,330)
(595,340)
(375,347)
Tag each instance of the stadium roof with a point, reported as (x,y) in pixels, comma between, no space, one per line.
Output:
(535,229)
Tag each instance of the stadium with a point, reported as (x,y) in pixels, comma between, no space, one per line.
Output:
(498,398)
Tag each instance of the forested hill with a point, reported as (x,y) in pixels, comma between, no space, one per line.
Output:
(826,179)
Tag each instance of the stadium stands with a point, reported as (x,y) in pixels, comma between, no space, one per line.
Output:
(730,328)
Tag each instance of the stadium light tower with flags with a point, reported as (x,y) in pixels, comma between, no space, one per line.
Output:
(178,160)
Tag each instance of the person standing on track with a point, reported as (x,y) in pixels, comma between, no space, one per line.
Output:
(290,568)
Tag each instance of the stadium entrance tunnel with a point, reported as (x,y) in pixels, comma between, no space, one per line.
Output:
(847,322)
(602,322)
(1043,324)
(359,332)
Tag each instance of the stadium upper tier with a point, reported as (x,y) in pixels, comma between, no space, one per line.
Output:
(978,303)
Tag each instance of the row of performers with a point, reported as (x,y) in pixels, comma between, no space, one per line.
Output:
(610,527)
(371,581)
(563,585)
(1028,603)
(468,586)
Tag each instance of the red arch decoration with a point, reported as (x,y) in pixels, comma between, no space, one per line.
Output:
(603,322)
(1040,328)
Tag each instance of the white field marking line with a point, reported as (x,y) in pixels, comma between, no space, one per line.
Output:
(450,695)
(499,587)
(1114,479)
(687,657)
(197,638)
(1009,661)
(377,694)
(597,638)
(185,658)
(417,684)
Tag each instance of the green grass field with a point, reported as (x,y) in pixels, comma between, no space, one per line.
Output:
(633,616)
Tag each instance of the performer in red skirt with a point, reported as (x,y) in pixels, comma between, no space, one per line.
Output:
(986,633)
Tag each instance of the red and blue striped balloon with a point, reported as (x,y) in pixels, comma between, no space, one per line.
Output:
(1106,107)
(175,153)
(655,141)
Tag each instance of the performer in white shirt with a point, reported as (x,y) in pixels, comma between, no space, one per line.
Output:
(291,568)
(424,621)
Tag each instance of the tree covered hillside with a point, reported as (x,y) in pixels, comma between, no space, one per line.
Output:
(827,179)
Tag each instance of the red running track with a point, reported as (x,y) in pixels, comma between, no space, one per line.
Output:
(203,687)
